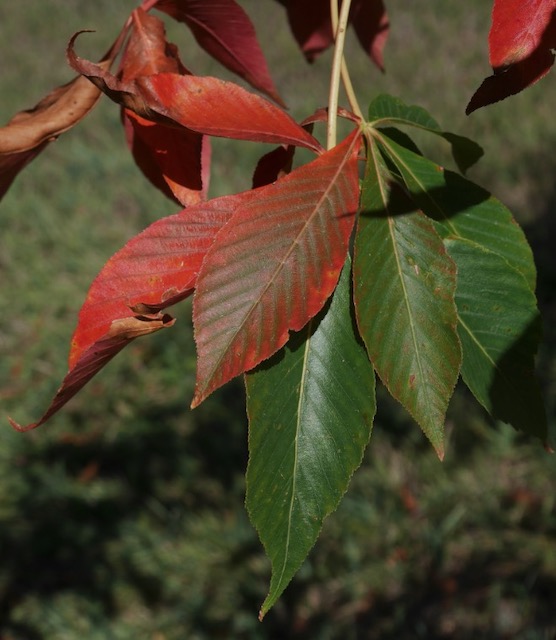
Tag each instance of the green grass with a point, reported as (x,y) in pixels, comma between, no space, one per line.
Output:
(123,517)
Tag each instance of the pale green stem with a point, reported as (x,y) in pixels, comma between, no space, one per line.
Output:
(340,39)
(350,93)
(334,15)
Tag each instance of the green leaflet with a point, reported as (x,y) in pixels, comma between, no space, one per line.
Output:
(386,107)
(498,321)
(386,110)
(462,209)
(499,327)
(404,285)
(311,409)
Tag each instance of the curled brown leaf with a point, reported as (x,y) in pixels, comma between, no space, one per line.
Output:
(30,131)
(57,112)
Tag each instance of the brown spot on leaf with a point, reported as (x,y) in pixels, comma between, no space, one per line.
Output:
(130,328)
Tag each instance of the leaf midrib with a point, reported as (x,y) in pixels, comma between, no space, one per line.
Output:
(391,223)
(296,450)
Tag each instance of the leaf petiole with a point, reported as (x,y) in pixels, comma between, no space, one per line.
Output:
(339,42)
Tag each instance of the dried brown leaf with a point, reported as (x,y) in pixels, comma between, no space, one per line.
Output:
(30,131)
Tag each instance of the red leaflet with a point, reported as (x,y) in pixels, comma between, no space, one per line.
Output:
(518,29)
(175,160)
(147,51)
(273,165)
(521,43)
(220,108)
(172,159)
(371,25)
(122,332)
(155,268)
(311,26)
(225,31)
(278,163)
(274,265)
(206,105)
(152,271)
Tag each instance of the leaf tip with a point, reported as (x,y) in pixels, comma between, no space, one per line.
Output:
(266,606)
(471,106)
(198,398)
(437,442)
(20,428)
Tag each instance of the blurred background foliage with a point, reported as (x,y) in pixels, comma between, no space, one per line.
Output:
(123,518)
